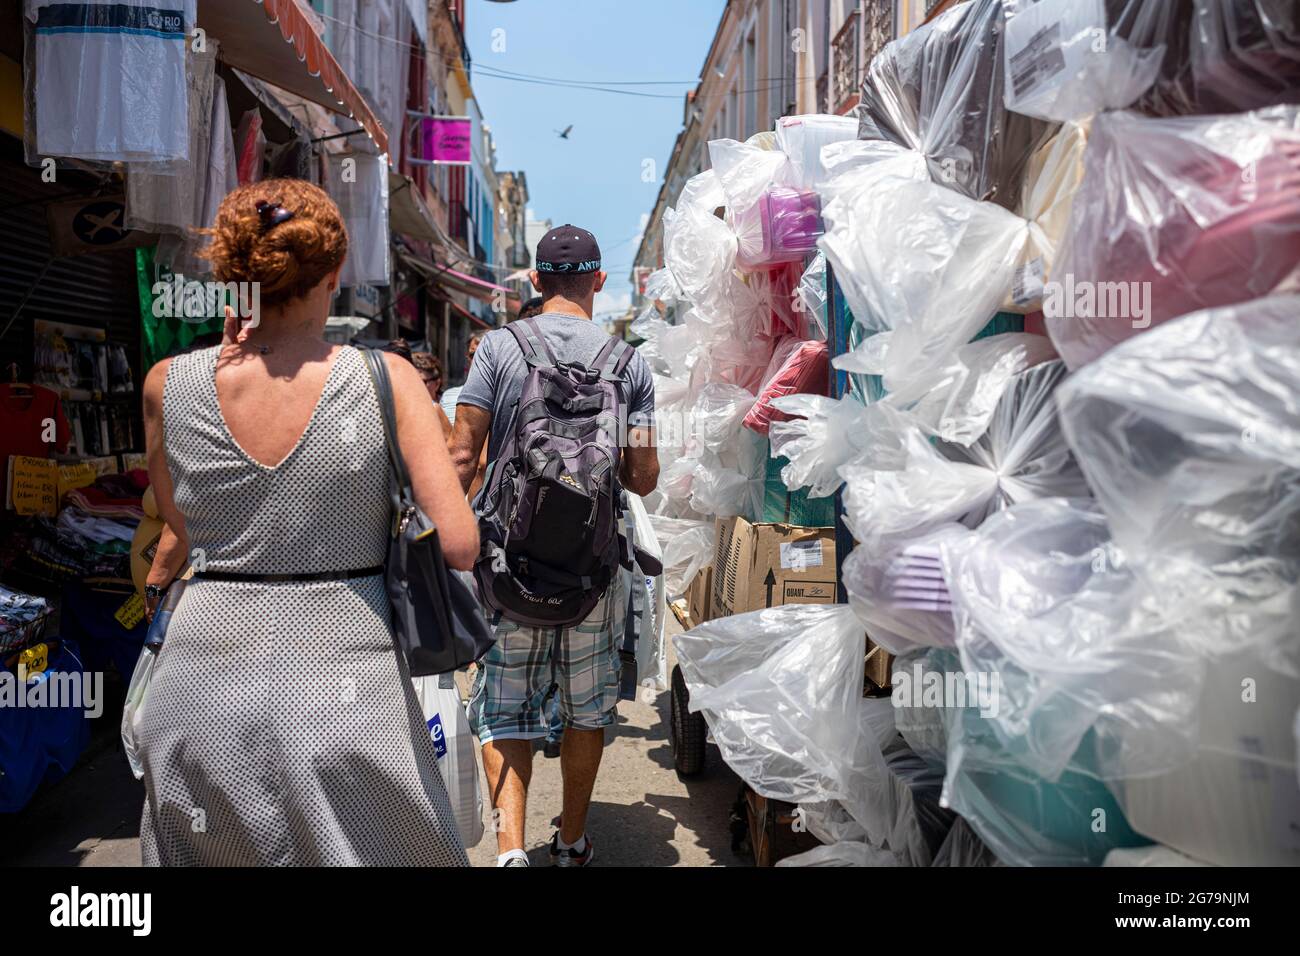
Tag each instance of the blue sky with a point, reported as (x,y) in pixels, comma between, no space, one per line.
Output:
(594,178)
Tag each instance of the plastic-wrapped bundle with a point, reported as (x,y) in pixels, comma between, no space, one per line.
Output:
(1044,604)
(699,249)
(900,594)
(687,548)
(746,170)
(107,82)
(1237,803)
(801,138)
(1175,215)
(921,823)
(1024,819)
(781,690)
(822,435)
(783,226)
(1051,182)
(1190,438)
(844,853)
(1060,63)
(923,266)
(958,403)
(1021,456)
(1221,56)
(939,90)
(803,370)
(922,726)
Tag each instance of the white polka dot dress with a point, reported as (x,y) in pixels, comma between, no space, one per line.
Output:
(281,727)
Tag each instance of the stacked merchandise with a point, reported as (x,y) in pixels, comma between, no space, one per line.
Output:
(745,337)
(1081,538)
(90,539)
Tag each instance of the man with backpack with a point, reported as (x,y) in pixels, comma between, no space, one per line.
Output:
(567,412)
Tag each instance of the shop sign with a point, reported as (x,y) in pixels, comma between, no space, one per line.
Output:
(441,140)
(34,486)
(79,226)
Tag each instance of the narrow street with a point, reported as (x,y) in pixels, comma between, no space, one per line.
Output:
(642,813)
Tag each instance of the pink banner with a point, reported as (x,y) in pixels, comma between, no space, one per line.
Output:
(442,139)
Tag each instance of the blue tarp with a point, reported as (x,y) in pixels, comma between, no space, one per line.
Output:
(39,743)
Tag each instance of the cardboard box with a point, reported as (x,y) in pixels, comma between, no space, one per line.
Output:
(757,566)
(700,595)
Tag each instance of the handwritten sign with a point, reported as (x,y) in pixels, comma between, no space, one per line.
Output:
(75,476)
(34,486)
(131,613)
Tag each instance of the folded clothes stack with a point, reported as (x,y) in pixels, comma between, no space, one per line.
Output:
(19,613)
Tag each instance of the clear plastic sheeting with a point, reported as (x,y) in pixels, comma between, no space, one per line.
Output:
(958,403)
(1024,819)
(939,90)
(687,549)
(1172,216)
(1222,56)
(1061,64)
(781,690)
(1190,438)
(1021,456)
(847,853)
(963,847)
(811,296)
(801,138)
(106,82)
(899,593)
(821,436)
(1045,606)
(1149,856)
(745,171)
(1236,802)
(929,265)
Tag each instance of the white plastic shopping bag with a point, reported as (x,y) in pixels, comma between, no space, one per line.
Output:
(449,727)
(651,649)
(133,710)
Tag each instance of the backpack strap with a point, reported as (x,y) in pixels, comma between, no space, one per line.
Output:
(532,343)
(612,359)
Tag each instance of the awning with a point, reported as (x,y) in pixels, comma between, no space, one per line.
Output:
(468,285)
(274,40)
(469,315)
(408,213)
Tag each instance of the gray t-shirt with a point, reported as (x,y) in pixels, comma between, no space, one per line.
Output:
(495,380)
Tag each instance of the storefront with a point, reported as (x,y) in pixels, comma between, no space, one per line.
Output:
(101,197)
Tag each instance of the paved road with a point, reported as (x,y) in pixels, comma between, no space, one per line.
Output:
(642,813)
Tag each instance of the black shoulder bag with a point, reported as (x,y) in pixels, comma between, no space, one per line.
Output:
(436,618)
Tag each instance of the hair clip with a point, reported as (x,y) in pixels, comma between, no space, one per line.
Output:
(272,214)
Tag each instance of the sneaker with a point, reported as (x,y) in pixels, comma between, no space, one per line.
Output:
(551,748)
(571,857)
(515,861)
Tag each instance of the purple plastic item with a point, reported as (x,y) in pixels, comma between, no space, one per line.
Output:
(790,221)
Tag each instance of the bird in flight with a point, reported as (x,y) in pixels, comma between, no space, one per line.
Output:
(564,134)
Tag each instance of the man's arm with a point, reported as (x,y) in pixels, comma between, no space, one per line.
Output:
(639,470)
(468,437)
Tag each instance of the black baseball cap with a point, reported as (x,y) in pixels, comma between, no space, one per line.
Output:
(568,249)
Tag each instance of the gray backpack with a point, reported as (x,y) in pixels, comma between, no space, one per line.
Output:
(550,510)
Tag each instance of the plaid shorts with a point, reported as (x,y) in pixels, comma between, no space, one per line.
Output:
(513,679)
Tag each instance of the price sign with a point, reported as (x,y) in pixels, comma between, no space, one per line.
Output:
(34,486)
